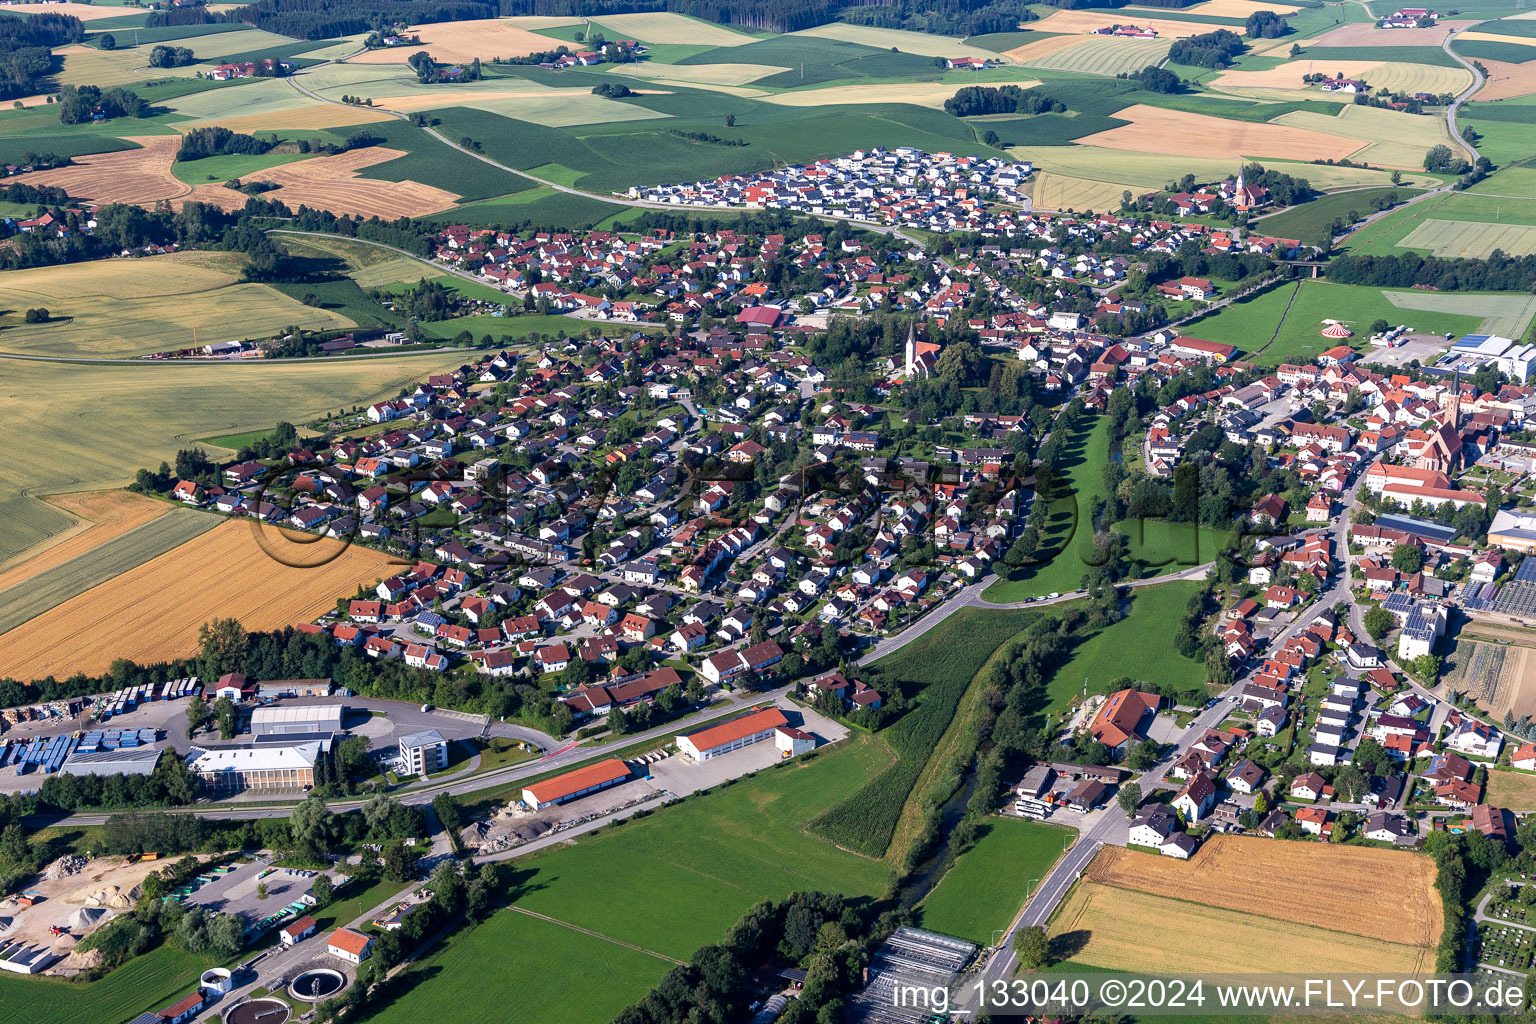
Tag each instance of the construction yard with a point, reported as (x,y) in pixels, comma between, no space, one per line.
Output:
(75,896)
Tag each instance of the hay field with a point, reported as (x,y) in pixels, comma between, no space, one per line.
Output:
(1508,314)
(1367,34)
(99,517)
(1465,238)
(1507,80)
(1389,138)
(133,307)
(675,29)
(74,426)
(1365,891)
(132,176)
(1040,48)
(1062,192)
(922,94)
(152,613)
(699,74)
(1511,790)
(396,271)
(316,116)
(222,44)
(1288,75)
(463,41)
(332,183)
(1104,56)
(1398,76)
(1159,130)
(85,12)
(1133,931)
(1083,23)
(220,106)
(395,88)
(86,65)
(890,38)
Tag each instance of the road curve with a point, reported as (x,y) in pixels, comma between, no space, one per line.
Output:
(1477,83)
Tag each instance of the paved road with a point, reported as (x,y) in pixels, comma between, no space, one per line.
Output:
(1477,83)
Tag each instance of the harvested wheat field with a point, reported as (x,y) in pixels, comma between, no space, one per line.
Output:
(153,612)
(923,43)
(140,176)
(1123,930)
(1157,130)
(1062,192)
(1043,47)
(87,65)
(1365,891)
(85,12)
(1389,138)
(99,517)
(1224,8)
(463,41)
(1507,80)
(664,27)
(1368,34)
(331,183)
(922,94)
(1083,23)
(727,78)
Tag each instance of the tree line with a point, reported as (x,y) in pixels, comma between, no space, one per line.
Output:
(1499,272)
(977,100)
(26,54)
(1207,50)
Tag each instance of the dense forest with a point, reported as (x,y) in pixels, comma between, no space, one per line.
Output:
(1499,272)
(976,100)
(946,17)
(25,56)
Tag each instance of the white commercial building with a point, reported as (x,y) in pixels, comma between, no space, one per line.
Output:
(422,753)
(733,735)
(307,720)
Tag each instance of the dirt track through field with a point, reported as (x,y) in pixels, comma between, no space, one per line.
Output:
(140,176)
(1374,893)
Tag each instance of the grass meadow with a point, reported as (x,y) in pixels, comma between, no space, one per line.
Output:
(988,884)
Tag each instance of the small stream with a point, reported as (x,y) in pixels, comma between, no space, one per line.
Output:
(928,873)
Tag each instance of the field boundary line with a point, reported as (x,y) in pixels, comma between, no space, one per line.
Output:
(598,935)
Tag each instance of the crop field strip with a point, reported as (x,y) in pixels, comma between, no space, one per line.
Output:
(1390,138)
(1108,57)
(334,183)
(98,517)
(152,612)
(1468,239)
(53,587)
(463,41)
(1159,130)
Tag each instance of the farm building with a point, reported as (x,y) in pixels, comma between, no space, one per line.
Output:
(422,753)
(578,783)
(732,735)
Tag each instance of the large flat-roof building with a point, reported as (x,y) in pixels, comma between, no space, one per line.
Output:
(304,720)
(574,784)
(422,753)
(265,767)
(1513,531)
(732,735)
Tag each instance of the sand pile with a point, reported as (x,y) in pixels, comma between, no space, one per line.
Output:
(112,897)
(77,962)
(86,918)
(66,865)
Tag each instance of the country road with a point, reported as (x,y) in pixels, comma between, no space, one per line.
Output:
(1477,83)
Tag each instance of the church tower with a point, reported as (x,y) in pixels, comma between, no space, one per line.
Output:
(910,366)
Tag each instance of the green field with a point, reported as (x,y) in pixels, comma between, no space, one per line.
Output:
(817,61)
(154,980)
(1309,221)
(223,168)
(692,869)
(118,555)
(1067,534)
(1248,324)
(938,667)
(344,298)
(1467,239)
(989,883)
(1146,630)
(546,971)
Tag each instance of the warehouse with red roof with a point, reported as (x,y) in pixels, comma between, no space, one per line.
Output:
(732,735)
(573,784)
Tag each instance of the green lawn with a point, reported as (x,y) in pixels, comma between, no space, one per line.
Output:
(1248,324)
(516,967)
(989,883)
(1067,534)
(149,982)
(678,879)
(1139,646)
(354,904)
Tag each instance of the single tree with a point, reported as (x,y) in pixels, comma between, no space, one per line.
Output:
(1129,798)
(1032,947)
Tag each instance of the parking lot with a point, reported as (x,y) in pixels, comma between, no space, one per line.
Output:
(238,891)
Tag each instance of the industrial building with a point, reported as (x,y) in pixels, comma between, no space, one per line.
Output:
(262,767)
(732,735)
(422,753)
(124,761)
(310,720)
(1513,531)
(578,783)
